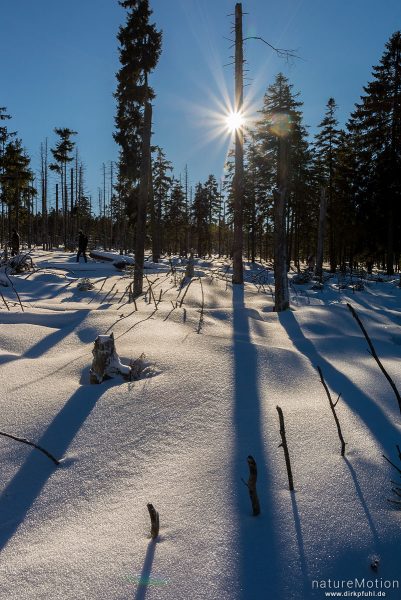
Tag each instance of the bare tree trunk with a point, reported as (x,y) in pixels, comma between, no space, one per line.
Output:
(238,269)
(56,217)
(72,206)
(142,200)
(43,156)
(155,223)
(281,296)
(321,232)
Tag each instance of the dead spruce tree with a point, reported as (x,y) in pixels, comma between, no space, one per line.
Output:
(238,269)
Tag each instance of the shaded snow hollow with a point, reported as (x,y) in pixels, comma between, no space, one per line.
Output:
(180,438)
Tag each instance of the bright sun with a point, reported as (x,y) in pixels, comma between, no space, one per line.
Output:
(234,120)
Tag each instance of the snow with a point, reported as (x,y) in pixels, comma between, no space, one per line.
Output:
(180,436)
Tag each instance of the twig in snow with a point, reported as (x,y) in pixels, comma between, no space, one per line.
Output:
(332,406)
(202,307)
(284,446)
(251,485)
(186,291)
(24,441)
(135,324)
(154,520)
(169,313)
(151,294)
(374,354)
(392,464)
(15,291)
(98,292)
(4,300)
(396,490)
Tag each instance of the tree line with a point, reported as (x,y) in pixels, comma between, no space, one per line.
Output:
(342,185)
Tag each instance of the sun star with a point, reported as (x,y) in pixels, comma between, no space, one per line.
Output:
(234,120)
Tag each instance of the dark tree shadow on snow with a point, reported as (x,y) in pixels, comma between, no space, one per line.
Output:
(359,402)
(257,536)
(373,417)
(27,484)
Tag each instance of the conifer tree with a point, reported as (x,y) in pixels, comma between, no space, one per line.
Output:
(140,47)
(62,154)
(376,128)
(175,216)
(200,215)
(162,182)
(16,179)
(326,148)
(277,134)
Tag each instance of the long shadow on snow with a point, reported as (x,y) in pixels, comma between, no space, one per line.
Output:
(45,344)
(56,337)
(145,576)
(373,417)
(25,487)
(257,538)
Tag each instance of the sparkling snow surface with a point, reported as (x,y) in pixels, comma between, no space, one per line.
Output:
(179,438)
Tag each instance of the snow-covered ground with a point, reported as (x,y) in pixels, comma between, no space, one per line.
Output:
(180,437)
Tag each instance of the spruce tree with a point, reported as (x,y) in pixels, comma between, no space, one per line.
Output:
(62,155)
(175,215)
(200,216)
(16,180)
(326,148)
(140,47)
(162,181)
(277,134)
(376,129)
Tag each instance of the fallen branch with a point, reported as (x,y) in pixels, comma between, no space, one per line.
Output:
(374,354)
(284,446)
(154,520)
(24,441)
(332,406)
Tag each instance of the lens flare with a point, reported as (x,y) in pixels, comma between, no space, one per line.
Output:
(280,124)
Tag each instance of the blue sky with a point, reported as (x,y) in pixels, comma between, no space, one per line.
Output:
(59,61)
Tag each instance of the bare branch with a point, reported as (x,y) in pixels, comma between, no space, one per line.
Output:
(281,52)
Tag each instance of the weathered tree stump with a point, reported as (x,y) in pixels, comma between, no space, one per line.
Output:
(106,361)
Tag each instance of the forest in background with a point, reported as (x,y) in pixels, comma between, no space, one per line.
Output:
(343,182)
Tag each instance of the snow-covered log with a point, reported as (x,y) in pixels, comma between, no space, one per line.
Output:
(106,361)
